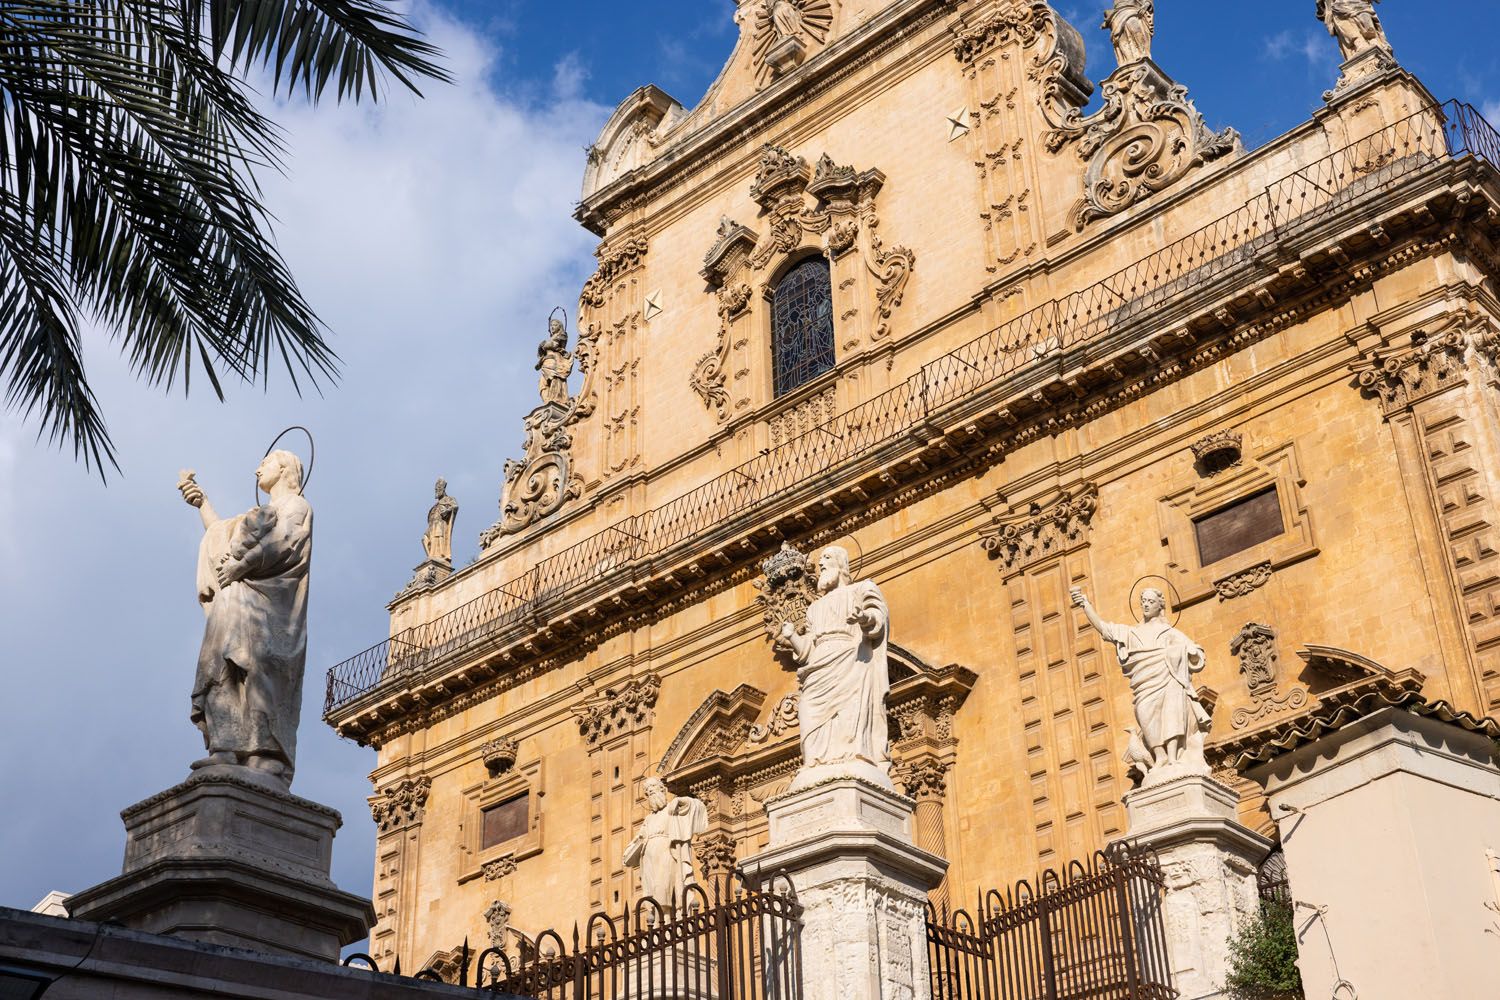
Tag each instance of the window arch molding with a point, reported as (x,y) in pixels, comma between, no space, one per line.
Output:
(800,326)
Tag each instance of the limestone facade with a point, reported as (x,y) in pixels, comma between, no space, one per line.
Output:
(1266,379)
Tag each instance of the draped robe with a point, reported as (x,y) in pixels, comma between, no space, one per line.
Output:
(247,695)
(1159,662)
(844,678)
(663,849)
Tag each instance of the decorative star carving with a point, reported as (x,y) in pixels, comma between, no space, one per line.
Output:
(958,123)
(653,305)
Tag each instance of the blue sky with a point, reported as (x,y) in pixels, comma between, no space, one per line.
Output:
(434,237)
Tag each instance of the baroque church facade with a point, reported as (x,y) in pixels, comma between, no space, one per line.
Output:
(890,286)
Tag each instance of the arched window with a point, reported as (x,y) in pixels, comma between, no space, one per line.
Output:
(802,325)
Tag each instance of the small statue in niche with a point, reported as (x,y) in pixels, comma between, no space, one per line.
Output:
(1159,662)
(663,849)
(786,18)
(1131,25)
(555,364)
(1354,25)
(438,541)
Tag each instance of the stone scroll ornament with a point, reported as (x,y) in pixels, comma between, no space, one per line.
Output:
(1145,138)
(837,641)
(1159,662)
(252,585)
(537,486)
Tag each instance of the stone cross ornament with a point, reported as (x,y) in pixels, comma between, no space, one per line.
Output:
(1159,662)
(252,584)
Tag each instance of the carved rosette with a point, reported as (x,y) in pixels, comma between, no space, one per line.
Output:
(1042,532)
(787,588)
(618,711)
(1400,378)
(400,804)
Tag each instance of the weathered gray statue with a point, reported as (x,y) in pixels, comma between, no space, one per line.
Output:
(1354,24)
(842,670)
(555,363)
(786,18)
(1159,661)
(252,583)
(663,849)
(1131,25)
(438,541)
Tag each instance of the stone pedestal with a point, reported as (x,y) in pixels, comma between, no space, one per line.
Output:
(1210,863)
(846,843)
(229,859)
(1391,828)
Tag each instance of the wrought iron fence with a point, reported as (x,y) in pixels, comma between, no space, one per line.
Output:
(1092,933)
(730,941)
(1209,256)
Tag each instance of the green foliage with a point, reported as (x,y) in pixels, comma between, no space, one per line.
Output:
(1263,957)
(128,198)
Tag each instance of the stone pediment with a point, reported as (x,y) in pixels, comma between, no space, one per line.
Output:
(630,137)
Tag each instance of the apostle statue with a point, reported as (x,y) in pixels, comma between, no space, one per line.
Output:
(252,583)
(1354,24)
(663,849)
(786,18)
(555,364)
(842,672)
(438,541)
(1159,662)
(1131,25)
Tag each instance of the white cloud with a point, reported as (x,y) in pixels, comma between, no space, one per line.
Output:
(1314,48)
(433,236)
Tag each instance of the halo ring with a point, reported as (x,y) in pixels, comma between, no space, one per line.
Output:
(1135,602)
(857,557)
(312,456)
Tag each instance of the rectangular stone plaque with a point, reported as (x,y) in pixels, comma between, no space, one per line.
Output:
(1246,522)
(505,821)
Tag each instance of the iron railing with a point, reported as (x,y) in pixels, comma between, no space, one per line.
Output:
(1094,933)
(731,941)
(1205,261)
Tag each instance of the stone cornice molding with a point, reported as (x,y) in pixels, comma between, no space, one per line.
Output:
(619,711)
(400,804)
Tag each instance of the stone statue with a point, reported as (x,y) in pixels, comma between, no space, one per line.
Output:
(786,18)
(555,364)
(252,583)
(438,541)
(1159,661)
(1131,25)
(842,670)
(663,849)
(1354,24)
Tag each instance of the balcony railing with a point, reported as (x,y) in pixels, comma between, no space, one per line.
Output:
(1214,253)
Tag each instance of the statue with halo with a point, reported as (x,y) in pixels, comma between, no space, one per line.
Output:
(252,584)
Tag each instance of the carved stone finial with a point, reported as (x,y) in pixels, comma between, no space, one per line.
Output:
(400,804)
(1218,451)
(499,755)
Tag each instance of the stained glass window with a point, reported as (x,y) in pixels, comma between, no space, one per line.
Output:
(802,325)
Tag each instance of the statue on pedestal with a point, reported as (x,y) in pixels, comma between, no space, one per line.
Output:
(438,541)
(1159,661)
(663,848)
(841,668)
(1354,24)
(1131,25)
(555,364)
(252,583)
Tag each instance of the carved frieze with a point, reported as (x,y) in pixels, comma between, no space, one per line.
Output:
(619,711)
(400,804)
(1244,582)
(1402,377)
(1042,532)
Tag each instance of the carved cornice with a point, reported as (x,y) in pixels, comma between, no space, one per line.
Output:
(619,711)
(400,804)
(1043,532)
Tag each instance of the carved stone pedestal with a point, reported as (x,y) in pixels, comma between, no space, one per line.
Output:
(225,859)
(1210,863)
(1368,65)
(846,844)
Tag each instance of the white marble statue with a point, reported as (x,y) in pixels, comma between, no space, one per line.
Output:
(1354,24)
(1159,661)
(252,583)
(438,540)
(1131,25)
(842,670)
(663,848)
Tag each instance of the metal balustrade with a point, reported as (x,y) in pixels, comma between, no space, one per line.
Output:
(1214,253)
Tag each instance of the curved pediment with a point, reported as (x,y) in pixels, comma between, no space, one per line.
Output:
(630,137)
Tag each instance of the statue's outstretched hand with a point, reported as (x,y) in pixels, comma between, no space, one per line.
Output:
(225,570)
(188,486)
(1080,600)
